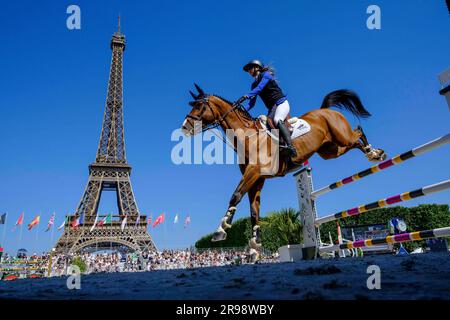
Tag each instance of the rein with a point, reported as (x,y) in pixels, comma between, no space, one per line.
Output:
(217,122)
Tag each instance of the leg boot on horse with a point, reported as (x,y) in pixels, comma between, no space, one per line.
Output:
(220,234)
(254,244)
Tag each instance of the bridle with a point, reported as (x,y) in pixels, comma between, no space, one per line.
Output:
(217,121)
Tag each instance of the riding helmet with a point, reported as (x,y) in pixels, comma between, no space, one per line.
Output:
(252,64)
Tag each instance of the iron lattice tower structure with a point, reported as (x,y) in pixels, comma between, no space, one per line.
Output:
(111,172)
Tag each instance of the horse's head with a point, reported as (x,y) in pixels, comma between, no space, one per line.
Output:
(201,115)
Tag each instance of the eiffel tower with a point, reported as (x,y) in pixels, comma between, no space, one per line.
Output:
(109,172)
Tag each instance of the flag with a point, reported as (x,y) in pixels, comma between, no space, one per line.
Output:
(50,222)
(78,221)
(105,220)
(159,220)
(95,223)
(3,218)
(34,222)
(63,224)
(20,220)
(124,222)
(138,219)
(176,219)
(187,221)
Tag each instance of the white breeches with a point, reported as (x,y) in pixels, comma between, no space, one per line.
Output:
(281,112)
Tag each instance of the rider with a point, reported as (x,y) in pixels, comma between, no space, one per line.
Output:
(267,88)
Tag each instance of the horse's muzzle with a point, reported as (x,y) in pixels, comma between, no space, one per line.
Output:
(187,128)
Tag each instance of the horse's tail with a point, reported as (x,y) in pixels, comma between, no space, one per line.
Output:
(345,99)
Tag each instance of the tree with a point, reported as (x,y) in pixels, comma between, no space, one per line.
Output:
(80,263)
(281,228)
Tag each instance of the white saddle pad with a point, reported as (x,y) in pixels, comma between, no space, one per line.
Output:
(298,128)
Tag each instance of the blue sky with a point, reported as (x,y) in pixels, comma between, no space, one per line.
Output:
(54,82)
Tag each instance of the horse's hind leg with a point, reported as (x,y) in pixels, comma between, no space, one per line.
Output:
(372,154)
(343,138)
(331,150)
(346,138)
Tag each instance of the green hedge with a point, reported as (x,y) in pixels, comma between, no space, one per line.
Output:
(283,227)
(277,229)
(422,217)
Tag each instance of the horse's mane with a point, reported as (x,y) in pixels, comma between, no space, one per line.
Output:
(242,111)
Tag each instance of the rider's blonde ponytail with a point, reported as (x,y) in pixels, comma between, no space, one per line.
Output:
(268,68)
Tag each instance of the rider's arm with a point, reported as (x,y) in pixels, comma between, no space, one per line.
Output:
(266,77)
(250,104)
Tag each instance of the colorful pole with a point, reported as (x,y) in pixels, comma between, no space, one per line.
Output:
(441,186)
(398,238)
(384,165)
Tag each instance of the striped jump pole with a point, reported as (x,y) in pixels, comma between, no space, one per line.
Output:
(384,165)
(398,238)
(441,186)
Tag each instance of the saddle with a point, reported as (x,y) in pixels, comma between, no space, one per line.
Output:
(271,125)
(295,125)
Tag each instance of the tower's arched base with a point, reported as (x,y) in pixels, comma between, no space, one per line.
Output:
(136,238)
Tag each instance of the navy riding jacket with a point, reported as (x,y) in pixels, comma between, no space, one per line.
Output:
(267,88)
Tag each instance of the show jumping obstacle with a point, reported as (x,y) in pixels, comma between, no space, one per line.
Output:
(441,186)
(398,238)
(311,224)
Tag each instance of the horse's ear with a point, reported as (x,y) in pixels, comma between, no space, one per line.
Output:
(200,91)
(193,95)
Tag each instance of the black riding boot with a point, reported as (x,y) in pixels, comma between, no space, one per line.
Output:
(287,138)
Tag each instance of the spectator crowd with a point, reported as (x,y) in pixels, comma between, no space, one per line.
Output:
(129,262)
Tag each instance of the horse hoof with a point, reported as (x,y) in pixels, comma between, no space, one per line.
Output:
(376,155)
(379,156)
(219,235)
(253,256)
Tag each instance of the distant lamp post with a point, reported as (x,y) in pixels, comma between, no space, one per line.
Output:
(444,79)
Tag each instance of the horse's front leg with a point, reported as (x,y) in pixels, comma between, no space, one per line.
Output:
(250,175)
(254,196)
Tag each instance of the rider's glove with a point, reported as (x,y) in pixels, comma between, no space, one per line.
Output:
(241,99)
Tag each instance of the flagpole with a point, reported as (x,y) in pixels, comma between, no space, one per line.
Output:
(20,234)
(165,240)
(37,230)
(4,230)
(66,219)
(111,233)
(53,230)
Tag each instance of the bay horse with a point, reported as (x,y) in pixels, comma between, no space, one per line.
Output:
(330,136)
